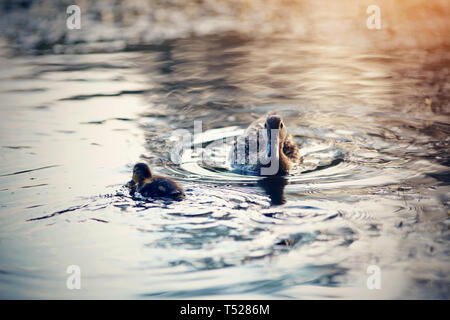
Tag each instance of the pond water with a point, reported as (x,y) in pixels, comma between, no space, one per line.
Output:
(372,125)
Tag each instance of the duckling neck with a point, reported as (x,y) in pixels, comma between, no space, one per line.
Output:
(284,163)
(278,155)
(142,182)
(278,161)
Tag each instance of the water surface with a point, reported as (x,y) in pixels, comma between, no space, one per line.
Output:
(373,128)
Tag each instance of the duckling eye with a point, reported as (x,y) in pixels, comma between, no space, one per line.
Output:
(281,125)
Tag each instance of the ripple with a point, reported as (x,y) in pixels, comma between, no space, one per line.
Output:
(332,160)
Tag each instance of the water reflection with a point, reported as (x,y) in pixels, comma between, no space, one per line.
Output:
(274,188)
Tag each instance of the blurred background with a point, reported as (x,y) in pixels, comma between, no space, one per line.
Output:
(39,25)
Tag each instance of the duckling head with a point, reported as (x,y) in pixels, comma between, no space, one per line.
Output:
(274,125)
(141,173)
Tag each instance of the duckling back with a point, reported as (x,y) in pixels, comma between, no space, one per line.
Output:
(160,187)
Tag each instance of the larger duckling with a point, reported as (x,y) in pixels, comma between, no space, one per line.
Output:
(265,148)
(152,186)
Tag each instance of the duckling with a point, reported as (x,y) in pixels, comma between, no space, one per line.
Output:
(265,141)
(152,186)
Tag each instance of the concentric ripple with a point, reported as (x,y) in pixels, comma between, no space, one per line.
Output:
(332,158)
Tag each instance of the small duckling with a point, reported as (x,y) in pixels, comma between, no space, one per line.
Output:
(152,186)
(279,149)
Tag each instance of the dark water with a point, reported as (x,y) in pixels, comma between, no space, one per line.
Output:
(373,127)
